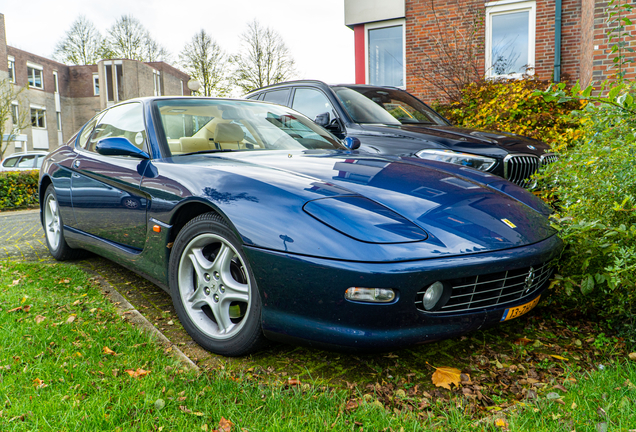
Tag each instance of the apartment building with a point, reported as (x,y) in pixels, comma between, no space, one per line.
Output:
(60,98)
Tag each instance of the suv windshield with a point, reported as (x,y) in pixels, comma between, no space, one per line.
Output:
(207,125)
(386,106)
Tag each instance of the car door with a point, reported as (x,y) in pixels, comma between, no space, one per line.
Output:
(107,201)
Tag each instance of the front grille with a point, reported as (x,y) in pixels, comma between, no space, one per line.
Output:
(478,292)
(548,158)
(519,168)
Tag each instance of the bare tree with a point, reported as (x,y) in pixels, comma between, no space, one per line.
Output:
(263,60)
(81,45)
(129,39)
(454,56)
(12,118)
(204,60)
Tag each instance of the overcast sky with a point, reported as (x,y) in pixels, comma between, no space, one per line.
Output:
(314,31)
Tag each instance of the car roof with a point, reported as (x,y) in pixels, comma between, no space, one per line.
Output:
(31,152)
(319,83)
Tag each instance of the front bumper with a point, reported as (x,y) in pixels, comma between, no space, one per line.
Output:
(303,297)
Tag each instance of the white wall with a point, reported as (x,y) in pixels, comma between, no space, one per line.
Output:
(366,11)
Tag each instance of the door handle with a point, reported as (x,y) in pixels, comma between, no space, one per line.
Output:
(76,163)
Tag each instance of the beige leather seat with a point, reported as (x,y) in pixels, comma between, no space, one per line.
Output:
(228,136)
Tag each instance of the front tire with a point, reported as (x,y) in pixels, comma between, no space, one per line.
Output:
(213,289)
(54,228)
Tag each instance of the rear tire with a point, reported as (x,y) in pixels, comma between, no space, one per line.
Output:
(54,229)
(213,289)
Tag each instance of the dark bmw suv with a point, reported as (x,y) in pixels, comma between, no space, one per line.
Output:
(389,120)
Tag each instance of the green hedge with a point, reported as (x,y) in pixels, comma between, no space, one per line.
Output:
(18,189)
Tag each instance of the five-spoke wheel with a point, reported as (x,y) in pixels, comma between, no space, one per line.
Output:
(213,289)
(54,228)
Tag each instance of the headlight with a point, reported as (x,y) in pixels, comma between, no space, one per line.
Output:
(481,163)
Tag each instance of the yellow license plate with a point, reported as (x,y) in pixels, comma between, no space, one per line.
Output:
(516,312)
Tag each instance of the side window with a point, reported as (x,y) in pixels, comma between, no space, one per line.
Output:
(124,121)
(277,96)
(312,103)
(26,161)
(87,131)
(10,162)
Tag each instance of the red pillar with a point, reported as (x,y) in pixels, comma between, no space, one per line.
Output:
(358,34)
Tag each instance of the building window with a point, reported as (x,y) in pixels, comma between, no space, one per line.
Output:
(34,73)
(14,113)
(56,87)
(38,119)
(385,53)
(510,39)
(58,117)
(157,79)
(96,84)
(11,69)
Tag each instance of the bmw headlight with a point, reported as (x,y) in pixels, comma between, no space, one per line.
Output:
(481,163)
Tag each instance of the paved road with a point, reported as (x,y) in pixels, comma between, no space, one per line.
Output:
(22,237)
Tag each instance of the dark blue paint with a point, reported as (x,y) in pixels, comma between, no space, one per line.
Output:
(397,223)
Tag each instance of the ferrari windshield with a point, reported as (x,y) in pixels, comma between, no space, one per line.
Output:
(386,106)
(194,125)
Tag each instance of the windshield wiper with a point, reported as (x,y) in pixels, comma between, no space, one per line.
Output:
(413,121)
(208,151)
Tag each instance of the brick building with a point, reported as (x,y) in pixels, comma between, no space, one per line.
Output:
(61,98)
(404,42)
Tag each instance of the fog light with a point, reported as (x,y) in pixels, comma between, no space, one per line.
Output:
(373,295)
(432,296)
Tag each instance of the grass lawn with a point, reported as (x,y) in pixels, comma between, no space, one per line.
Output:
(69,362)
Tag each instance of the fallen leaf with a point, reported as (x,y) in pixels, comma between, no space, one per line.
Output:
(293,382)
(501,423)
(632,356)
(70,319)
(109,351)
(38,383)
(15,309)
(137,373)
(26,308)
(445,376)
(523,341)
(558,357)
(183,408)
(64,281)
(225,425)
(39,319)
(351,405)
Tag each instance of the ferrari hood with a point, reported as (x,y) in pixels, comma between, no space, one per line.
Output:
(458,214)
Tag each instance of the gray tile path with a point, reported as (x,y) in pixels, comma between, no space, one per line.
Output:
(22,237)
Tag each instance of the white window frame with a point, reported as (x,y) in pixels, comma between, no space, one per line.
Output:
(15,112)
(35,67)
(56,84)
(11,60)
(510,6)
(379,25)
(156,75)
(96,84)
(39,108)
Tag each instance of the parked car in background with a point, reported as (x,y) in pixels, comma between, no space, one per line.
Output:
(23,161)
(388,120)
(261,224)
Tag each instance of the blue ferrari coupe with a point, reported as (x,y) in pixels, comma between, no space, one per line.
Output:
(262,225)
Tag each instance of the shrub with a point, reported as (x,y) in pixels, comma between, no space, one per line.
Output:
(513,106)
(18,189)
(593,185)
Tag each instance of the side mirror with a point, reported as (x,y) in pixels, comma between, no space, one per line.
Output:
(322,119)
(352,143)
(119,146)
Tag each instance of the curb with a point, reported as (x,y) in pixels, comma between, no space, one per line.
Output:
(128,312)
